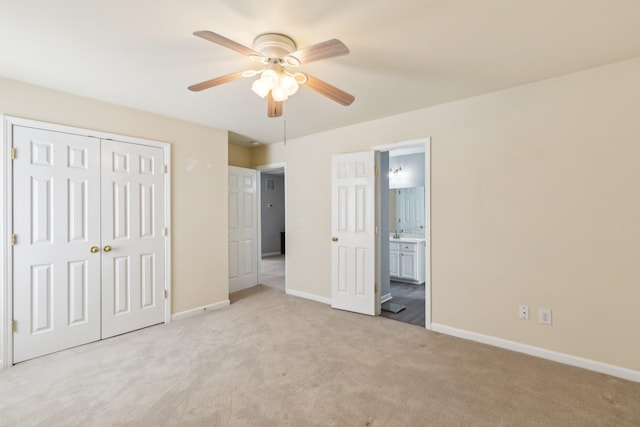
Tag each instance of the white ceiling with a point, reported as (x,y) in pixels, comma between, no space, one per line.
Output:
(405,54)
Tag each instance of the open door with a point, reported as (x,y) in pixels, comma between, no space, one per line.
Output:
(243,229)
(353,249)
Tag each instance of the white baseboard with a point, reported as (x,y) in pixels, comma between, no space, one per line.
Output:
(200,310)
(385,298)
(567,359)
(311,297)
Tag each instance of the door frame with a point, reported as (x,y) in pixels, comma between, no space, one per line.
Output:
(426,143)
(266,169)
(6,217)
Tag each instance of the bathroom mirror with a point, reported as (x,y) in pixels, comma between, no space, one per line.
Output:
(406,211)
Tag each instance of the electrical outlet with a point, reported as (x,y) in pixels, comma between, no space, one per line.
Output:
(544,315)
(523,312)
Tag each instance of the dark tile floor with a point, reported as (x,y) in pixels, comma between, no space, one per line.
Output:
(412,297)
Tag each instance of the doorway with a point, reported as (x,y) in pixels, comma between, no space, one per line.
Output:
(272,226)
(404,220)
(360,278)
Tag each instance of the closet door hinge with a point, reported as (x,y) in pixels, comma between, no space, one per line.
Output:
(165,168)
(165,231)
(14,325)
(375,288)
(376,170)
(14,240)
(166,294)
(13,153)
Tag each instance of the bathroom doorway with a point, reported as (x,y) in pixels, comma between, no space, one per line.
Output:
(272,226)
(405,232)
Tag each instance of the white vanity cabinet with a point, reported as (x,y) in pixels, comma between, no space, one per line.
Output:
(394,261)
(406,263)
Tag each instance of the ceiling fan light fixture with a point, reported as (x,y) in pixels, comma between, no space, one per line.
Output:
(270,78)
(260,87)
(276,52)
(289,84)
(300,78)
(279,94)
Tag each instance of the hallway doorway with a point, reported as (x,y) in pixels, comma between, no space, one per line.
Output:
(272,226)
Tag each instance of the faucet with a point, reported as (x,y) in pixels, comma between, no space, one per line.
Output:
(395,234)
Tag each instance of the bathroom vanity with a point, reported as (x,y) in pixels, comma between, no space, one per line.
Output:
(406,262)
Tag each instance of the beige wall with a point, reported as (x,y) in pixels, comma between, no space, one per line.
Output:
(534,201)
(198,180)
(239,156)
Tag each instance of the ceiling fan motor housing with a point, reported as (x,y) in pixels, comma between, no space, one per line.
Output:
(274,45)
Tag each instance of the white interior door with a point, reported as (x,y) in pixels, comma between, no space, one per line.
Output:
(89,252)
(56,282)
(353,232)
(243,228)
(132,237)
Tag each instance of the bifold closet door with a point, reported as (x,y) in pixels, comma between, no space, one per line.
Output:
(56,222)
(133,238)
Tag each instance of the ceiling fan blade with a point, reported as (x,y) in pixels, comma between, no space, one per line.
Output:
(332,92)
(274,108)
(329,49)
(215,82)
(228,43)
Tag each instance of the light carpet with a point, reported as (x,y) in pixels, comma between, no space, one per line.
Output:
(275,360)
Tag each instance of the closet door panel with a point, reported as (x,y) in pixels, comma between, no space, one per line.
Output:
(56,212)
(133,239)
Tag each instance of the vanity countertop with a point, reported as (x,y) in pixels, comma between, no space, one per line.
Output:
(407,239)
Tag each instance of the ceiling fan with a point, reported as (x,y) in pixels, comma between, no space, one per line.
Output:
(278,52)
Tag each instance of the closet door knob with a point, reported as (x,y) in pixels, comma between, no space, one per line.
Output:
(107,248)
(94,249)
(334,239)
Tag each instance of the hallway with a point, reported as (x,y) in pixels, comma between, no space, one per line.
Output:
(272,272)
